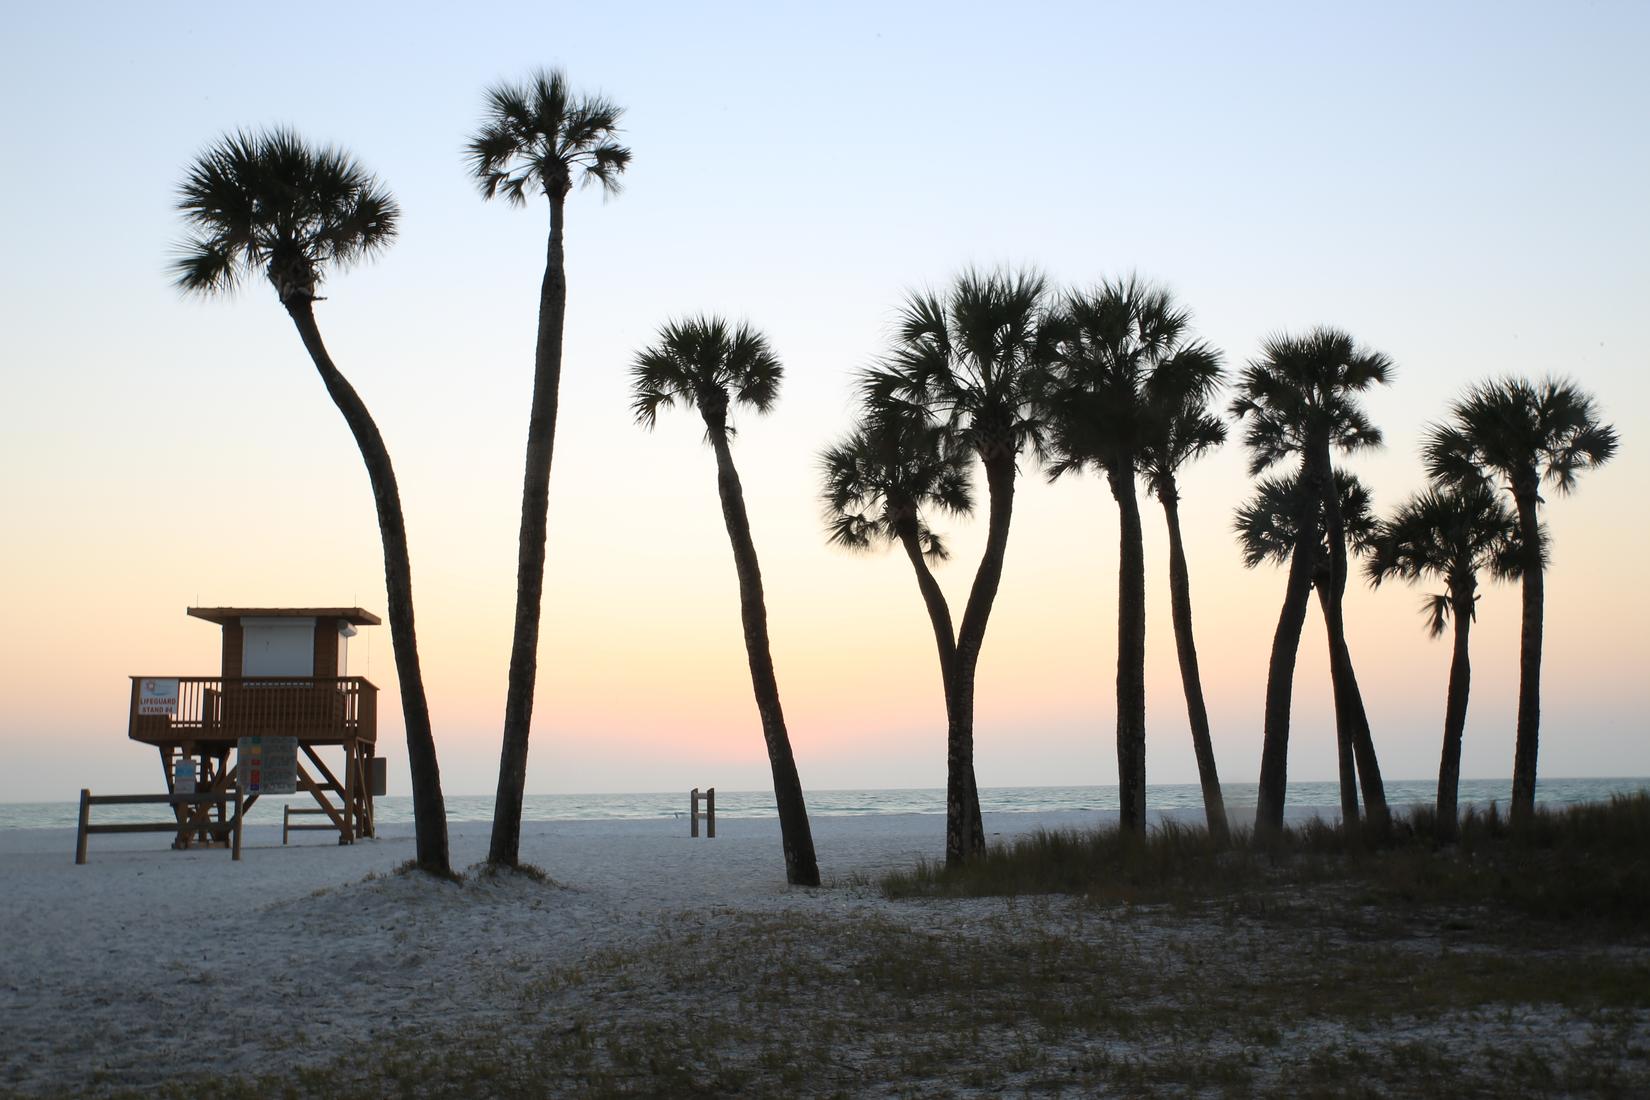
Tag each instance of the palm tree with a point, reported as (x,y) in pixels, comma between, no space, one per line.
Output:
(1117,345)
(879,485)
(1183,430)
(1451,534)
(969,360)
(1300,400)
(705,363)
(268,203)
(1267,527)
(1521,434)
(538,138)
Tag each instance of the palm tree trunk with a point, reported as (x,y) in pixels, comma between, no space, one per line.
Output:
(1344,679)
(1533,585)
(1280,674)
(429,808)
(939,612)
(505,847)
(1455,716)
(1191,681)
(1344,757)
(964,827)
(1131,653)
(801,865)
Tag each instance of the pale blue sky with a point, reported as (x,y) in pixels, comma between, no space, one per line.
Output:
(1460,185)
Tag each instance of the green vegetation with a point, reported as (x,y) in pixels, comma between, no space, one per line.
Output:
(1588,862)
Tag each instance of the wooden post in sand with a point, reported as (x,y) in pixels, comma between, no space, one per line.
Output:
(709,798)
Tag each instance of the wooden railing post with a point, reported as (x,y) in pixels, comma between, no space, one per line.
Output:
(240,795)
(85,820)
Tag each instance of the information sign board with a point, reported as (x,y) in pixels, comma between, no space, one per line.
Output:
(268,765)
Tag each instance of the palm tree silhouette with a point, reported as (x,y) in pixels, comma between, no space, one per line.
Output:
(1520,434)
(268,203)
(705,363)
(1268,527)
(1183,430)
(880,484)
(968,360)
(538,138)
(1118,345)
(1450,534)
(1300,400)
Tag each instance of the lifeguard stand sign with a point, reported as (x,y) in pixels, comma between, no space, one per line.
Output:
(268,765)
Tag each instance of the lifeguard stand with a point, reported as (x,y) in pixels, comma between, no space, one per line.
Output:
(284,675)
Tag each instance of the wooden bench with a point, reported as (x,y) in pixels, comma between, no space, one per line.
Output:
(181,825)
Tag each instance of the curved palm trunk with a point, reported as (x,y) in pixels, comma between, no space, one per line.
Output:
(505,848)
(1344,757)
(939,617)
(1280,675)
(429,808)
(1344,680)
(1533,585)
(801,865)
(1191,681)
(1455,716)
(1131,654)
(964,827)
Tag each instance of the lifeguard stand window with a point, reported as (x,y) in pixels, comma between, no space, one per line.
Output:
(278,647)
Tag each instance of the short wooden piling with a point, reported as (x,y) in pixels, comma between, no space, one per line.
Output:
(709,799)
(85,820)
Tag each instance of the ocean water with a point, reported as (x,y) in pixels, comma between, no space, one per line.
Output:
(1322,797)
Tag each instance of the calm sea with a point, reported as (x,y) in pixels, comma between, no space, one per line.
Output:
(1324,797)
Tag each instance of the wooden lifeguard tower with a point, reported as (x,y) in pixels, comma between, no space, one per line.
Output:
(284,676)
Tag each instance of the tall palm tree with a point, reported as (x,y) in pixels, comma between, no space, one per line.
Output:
(969,360)
(1521,434)
(1300,401)
(538,138)
(1450,534)
(269,203)
(1117,344)
(1267,527)
(1183,430)
(705,363)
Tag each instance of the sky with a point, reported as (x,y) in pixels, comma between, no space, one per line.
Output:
(1460,186)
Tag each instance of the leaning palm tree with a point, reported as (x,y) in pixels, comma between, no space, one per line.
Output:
(1452,535)
(1183,430)
(267,203)
(538,138)
(969,361)
(1521,434)
(707,364)
(1267,527)
(1118,344)
(881,483)
(1300,401)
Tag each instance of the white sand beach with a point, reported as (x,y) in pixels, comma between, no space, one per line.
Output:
(147,965)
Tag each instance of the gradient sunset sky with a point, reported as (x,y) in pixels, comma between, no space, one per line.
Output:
(1461,186)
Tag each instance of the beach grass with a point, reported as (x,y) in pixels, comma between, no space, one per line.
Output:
(1039,996)
(1590,862)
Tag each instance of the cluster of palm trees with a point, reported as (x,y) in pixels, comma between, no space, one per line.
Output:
(1000,371)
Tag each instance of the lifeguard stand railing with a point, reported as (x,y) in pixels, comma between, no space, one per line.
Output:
(317,709)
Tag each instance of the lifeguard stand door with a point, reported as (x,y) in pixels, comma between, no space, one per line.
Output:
(278,647)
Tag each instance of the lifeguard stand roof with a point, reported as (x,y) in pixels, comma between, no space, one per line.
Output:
(223,616)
